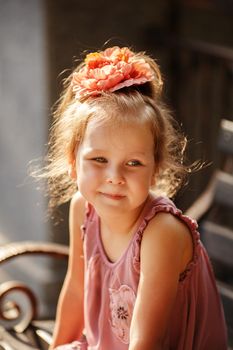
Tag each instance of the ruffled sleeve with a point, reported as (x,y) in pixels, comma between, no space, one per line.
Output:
(165,205)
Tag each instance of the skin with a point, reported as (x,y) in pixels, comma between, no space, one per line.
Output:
(115,171)
(116,168)
(69,324)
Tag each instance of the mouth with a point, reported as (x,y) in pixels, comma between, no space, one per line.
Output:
(112,195)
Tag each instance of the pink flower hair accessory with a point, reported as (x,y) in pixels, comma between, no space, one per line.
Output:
(110,70)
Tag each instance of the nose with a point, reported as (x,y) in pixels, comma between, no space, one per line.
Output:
(115,176)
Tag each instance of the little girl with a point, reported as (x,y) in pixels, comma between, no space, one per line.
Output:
(138,276)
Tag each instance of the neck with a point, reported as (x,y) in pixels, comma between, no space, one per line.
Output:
(121,223)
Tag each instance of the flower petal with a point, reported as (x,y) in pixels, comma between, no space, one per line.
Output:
(122,302)
(110,70)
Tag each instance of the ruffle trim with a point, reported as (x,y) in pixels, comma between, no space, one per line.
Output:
(88,214)
(167,206)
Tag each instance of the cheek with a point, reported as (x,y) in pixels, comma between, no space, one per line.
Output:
(149,180)
(139,181)
(87,175)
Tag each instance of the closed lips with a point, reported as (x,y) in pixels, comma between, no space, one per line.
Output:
(112,195)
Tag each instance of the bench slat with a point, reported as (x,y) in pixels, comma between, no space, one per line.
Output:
(218,241)
(225,142)
(224,189)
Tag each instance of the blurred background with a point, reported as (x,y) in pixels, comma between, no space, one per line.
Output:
(40,40)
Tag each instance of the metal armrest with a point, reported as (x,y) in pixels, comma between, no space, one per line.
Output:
(15,249)
(18,328)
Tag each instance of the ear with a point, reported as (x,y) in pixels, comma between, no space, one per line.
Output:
(72,170)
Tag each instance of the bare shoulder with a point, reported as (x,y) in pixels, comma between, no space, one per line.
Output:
(171,235)
(76,220)
(77,209)
(169,222)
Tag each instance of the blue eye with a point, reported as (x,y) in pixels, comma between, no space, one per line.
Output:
(134,162)
(100,159)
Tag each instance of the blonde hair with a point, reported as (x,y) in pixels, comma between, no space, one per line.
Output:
(131,104)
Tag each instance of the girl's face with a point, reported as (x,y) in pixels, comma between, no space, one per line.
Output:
(115,165)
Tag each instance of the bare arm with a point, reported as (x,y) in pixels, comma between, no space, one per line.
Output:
(165,250)
(69,318)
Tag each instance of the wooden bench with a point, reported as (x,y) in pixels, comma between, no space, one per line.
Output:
(214,212)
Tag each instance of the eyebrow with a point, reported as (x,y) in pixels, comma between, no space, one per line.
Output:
(102,151)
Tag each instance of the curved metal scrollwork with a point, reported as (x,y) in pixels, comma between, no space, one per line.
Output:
(14,314)
(19,327)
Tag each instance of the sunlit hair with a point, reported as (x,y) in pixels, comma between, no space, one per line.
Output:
(135,104)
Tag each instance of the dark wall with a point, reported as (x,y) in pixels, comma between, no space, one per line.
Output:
(77,26)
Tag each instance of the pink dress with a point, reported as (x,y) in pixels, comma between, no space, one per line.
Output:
(197,321)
